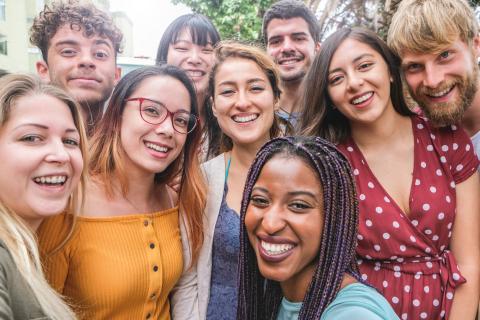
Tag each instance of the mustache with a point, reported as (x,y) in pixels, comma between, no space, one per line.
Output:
(446,85)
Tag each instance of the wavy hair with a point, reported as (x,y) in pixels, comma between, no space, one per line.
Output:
(17,236)
(259,298)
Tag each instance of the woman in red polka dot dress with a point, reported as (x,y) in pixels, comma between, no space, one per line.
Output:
(418,188)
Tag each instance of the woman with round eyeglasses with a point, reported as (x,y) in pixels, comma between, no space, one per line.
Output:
(125,255)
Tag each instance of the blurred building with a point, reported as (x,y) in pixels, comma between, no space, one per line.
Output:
(16,17)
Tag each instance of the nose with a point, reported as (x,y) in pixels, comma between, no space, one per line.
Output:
(354,81)
(273,220)
(194,57)
(287,45)
(433,76)
(243,100)
(86,60)
(166,127)
(57,152)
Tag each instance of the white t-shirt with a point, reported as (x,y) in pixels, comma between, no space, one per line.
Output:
(476,143)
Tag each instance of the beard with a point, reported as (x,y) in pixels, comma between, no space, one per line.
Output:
(442,114)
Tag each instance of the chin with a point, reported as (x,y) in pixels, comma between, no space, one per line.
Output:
(272,273)
(48,210)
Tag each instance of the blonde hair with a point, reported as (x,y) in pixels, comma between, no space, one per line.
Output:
(17,236)
(431,25)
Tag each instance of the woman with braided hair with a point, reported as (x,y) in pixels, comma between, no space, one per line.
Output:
(298,234)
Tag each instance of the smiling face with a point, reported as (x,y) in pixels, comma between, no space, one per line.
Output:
(195,59)
(292,47)
(84,67)
(443,84)
(243,101)
(359,82)
(284,221)
(41,158)
(151,148)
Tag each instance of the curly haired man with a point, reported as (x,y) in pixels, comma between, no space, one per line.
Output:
(79,45)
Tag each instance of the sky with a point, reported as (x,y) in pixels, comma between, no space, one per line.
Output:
(150,18)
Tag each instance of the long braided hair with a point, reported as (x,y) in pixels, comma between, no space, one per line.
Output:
(259,298)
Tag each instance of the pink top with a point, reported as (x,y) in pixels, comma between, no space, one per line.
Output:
(407,258)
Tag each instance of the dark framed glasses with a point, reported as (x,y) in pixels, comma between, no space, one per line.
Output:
(154,112)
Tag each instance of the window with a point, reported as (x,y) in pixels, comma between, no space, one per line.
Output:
(3,45)
(2,10)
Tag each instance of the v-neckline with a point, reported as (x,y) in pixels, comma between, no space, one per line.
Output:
(363,160)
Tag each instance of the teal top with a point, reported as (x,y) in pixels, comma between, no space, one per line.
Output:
(355,301)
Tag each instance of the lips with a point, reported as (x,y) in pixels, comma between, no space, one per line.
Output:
(274,249)
(51,180)
(362,100)
(195,73)
(438,94)
(85,81)
(157,150)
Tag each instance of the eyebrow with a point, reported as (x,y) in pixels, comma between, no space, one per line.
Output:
(360,57)
(41,126)
(72,42)
(292,193)
(296,34)
(101,41)
(231,82)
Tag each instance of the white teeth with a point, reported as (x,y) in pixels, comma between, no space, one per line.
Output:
(51,180)
(441,93)
(195,73)
(245,118)
(289,61)
(363,98)
(156,147)
(274,248)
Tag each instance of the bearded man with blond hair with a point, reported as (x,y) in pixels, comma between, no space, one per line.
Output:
(439,46)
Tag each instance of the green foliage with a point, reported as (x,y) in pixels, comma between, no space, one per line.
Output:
(235,19)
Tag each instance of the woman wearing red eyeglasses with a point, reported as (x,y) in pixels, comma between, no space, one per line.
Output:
(125,254)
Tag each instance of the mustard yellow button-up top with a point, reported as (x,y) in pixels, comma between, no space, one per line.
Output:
(115,267)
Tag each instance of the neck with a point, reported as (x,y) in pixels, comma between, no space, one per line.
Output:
(295,288)
(391,127)
(296,293)
(243,156)
(142,191)
(471,118)
(201,96)
(290,96)
(91,115)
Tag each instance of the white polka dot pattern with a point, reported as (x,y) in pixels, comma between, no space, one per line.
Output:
(407,251)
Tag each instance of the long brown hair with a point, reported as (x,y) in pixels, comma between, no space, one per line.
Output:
(319,115)
(107,158)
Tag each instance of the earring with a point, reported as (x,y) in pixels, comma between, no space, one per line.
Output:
(391,79)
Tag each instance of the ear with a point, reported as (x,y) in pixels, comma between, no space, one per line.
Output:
(318,45)
(214,109)
(476,46)
(118,74)
(42,70)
